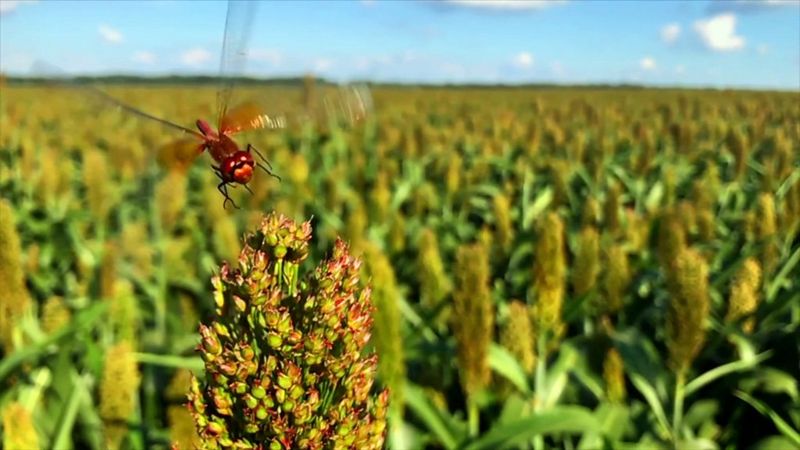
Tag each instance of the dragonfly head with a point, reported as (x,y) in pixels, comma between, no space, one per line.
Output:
(238,167)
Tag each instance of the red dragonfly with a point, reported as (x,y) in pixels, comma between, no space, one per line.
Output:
(235,165)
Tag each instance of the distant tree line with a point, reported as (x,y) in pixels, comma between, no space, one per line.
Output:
(300,80)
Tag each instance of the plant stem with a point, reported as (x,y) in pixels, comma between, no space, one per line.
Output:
(473,418)
(539,382)
(677,412)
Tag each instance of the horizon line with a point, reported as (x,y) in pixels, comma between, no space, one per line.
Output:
(253,79)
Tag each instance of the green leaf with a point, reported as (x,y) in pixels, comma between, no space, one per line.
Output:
(90,421)
(63,435)
(787,184)
(649,393)
(613,420)
(402,436)
(561,419)
(442,426)
(697,444)
(558,375)
(783,276)
(504,363)
(193,363)
(653,200)
(701,411)
(541,203)
(723,370)
(514,407)
(784,427)
(589,378)
(83,321)
(773,443)
(639,354)
(773,381)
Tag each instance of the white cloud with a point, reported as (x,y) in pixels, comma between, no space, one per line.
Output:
(719,33)
(6,6)
(680,69)
(144,57)
(523,60)
(514,5)
(195,56)
(647,63)
(670,33)
(109,34)
(322,64)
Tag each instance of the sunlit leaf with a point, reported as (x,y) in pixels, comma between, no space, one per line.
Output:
(561,419)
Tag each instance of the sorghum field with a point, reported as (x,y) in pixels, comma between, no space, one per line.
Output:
(552,268)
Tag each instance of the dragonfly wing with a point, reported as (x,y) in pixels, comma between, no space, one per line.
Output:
(59,77)
(346,103)
(180,153)
(249,116)
(292,105)
(234,47)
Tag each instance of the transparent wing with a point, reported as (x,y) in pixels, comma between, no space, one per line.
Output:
(249,116)
(59,77)
(137,112)
(238,21)
(294,105)
(180,153)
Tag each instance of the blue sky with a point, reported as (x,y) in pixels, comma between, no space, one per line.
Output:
(721,43)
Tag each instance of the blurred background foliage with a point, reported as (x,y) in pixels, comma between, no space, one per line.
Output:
(562,268)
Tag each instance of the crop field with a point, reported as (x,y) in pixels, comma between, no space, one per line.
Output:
(548,268)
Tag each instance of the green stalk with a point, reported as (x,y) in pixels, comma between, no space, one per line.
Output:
(539,383)
(63,435)
(473,417)
(677,412)
(160,307)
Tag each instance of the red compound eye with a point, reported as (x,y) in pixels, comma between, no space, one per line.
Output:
(238,167)
(242,173)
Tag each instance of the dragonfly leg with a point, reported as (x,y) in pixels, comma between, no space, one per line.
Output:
(251,147)
(223,189)
(268,167)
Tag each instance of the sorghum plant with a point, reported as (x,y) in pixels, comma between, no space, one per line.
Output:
(15,301)
(744,295)
(472,322)
(283,356)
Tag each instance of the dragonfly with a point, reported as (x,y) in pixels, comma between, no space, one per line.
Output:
(234,164)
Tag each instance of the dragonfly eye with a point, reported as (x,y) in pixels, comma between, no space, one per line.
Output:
(239,167)
(242,173)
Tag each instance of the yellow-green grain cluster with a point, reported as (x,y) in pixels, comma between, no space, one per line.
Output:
(387,324)
(19,429)
(119,387)
(688,308)
(745,294)
(519,336)
(472,320)
(550,269)
(15,299)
